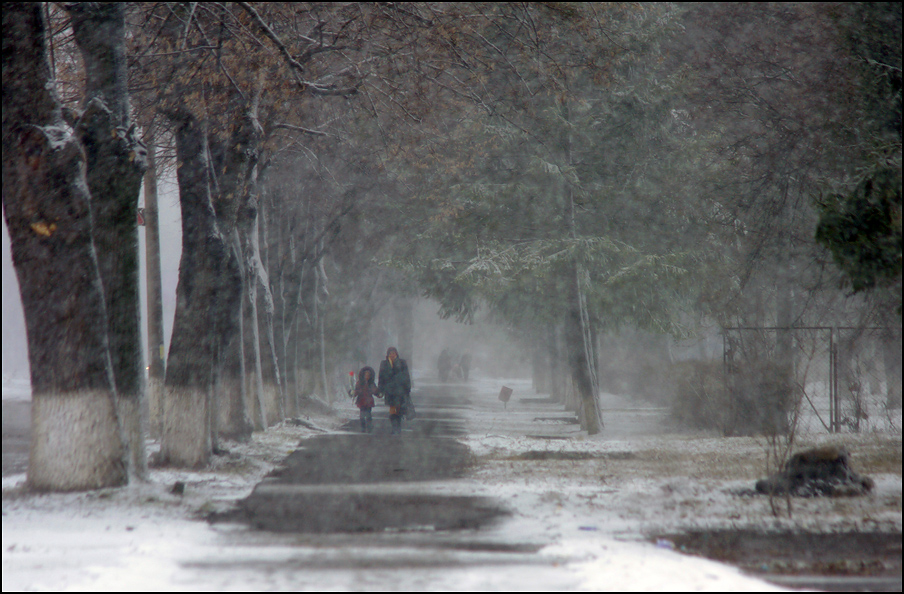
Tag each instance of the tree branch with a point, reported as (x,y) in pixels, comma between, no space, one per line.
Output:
(293,63)
(300,129)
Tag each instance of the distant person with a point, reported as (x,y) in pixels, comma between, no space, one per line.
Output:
(465,365)
(444,365)
(395,386)
(365,390)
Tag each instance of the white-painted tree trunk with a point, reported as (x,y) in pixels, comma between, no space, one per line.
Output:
(75,442)
(186,439)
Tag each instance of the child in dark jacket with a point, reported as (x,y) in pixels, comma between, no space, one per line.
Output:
(364,393)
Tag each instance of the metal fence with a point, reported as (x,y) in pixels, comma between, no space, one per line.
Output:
(816,378)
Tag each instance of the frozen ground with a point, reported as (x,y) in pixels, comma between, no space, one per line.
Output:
(586,512)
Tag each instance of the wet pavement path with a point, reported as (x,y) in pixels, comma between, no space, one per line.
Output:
(344,483)
(363,512)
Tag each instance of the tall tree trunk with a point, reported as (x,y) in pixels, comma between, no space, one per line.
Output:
(578,334)
(779,417)
(232,417)
(259,313)
(890,346)
(307,331)
(273,370)
(191,363)
(76,440)
(254,388)
(303,312)
(249,224)
(320,295)
(276,329)
(236,208)
(777,420)
(116,161)
(580,360)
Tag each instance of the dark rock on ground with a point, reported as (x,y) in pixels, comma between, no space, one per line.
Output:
(822,471)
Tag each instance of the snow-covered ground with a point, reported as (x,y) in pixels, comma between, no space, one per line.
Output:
(592,508)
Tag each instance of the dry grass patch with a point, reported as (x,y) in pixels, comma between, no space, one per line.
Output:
(707,464)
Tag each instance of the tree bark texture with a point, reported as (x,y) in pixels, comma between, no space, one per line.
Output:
(232,417)
(254,382)
(76,440)
(233,173)
(191,363)
(260,384)
(263,377)
(116,161)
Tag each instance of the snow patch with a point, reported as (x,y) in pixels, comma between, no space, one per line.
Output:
(592,519)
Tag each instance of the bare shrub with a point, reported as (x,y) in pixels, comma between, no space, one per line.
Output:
(651,381)
(700,395)
(756,398)
(762,398)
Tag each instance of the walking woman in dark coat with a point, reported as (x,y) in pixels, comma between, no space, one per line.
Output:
(395,386)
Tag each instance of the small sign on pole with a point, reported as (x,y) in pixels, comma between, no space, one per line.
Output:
(504,394)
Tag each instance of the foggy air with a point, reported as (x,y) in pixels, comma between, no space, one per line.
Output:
(441,296)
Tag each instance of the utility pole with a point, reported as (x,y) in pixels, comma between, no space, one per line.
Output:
(156,354)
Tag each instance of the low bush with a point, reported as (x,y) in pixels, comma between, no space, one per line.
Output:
(756,398)
(699,395)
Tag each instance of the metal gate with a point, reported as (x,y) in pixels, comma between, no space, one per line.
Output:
(816,378)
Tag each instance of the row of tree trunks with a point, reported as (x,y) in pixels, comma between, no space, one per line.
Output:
(190,368)
(235,366)
(263,378)
(234,188)
(277,229)
(563,367)
(296,309)
(76,437)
